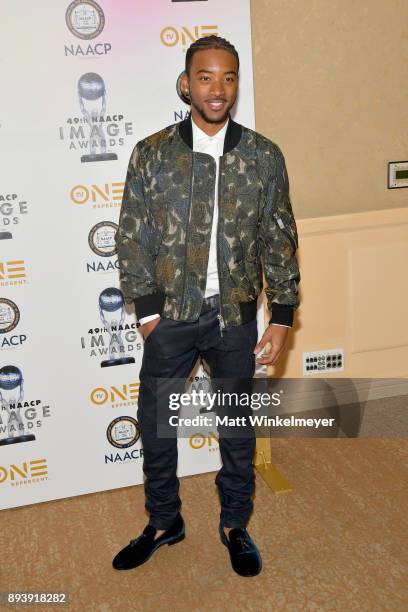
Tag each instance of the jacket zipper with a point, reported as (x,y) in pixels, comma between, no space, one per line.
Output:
(219,316)
(183,296)
(283,228)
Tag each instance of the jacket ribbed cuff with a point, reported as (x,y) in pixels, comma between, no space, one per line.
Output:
(152,303)
(282,313)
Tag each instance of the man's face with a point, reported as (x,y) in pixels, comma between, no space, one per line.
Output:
(212,84)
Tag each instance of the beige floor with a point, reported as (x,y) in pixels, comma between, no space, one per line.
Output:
(338,542)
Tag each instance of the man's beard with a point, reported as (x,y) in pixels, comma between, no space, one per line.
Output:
(208,119)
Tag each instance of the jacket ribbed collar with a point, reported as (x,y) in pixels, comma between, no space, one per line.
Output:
(232,135)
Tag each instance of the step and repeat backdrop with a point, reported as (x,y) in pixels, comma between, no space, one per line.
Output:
(82,83)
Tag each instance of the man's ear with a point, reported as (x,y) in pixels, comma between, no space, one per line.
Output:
(183,87)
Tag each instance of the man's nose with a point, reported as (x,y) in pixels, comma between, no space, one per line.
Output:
(217,88)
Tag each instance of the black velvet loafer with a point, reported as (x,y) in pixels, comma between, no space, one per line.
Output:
(245,556)
(140,549)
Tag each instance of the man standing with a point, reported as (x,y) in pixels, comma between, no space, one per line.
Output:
(205,199)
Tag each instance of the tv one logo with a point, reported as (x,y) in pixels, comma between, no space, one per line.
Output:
(99,196)
(199,440)
(24,472)
(171,37)
(114,395)
(12,272)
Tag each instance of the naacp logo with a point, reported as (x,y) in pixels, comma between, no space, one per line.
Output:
(101,239)
(122,432)
(9,315)
(9,319)
(85,20)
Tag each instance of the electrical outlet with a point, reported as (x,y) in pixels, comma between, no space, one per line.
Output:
(316,362)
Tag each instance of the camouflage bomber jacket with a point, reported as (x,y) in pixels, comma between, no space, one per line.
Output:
(165,224)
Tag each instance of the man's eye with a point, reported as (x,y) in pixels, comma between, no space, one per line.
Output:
(205,78)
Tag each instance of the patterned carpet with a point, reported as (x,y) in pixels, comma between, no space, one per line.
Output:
(339,542)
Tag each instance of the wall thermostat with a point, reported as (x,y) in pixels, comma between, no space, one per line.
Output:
(397,174)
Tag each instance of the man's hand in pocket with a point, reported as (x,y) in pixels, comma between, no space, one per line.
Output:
(148,327)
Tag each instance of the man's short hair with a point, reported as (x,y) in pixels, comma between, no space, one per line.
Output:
(209,42)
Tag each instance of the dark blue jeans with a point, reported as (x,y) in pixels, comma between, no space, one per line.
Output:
(171,351)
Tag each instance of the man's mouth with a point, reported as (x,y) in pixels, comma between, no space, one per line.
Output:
(216,105)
